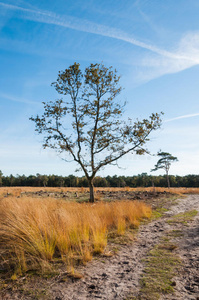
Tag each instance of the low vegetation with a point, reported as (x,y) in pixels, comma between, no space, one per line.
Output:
(158,213)
(161,266)
(49,231)
(183,217)
(74,191)
(37,234)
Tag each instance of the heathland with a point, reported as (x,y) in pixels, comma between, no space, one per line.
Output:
(53,236)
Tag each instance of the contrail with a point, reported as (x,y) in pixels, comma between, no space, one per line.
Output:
(17,99)
(48,17)
(182,117)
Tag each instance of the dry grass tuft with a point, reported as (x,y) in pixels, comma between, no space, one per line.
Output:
(36,232)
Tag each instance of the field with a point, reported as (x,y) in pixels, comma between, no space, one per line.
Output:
(46,232)
(81,194)
(19,190)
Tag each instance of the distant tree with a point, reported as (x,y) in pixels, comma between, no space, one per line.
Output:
(44,179)
(100,182)
(12,180)
(97,137)
(31,180)
(83,182)
(110,181)
(73,180)
(39,179)
(120,181)
(164,163)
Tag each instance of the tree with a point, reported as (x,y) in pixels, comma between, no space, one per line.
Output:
(97,136)
(164,163)
(44,179)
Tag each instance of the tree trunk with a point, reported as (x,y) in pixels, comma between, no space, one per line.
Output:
(168,182)
(153,185)
(91,187)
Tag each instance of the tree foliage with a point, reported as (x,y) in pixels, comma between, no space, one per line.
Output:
(97,136)
(140,180)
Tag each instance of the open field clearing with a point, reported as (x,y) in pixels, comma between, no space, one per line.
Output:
(80,195)
(60,247)
(16,191)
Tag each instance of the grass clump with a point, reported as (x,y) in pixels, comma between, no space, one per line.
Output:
(161,266)
(158,213)
(176,233)
(183,218)
(36,234)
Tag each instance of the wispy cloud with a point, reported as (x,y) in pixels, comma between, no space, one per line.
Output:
(91,27)
(17,99)
(147,19)
(153,66)
(182,117)
(156,63)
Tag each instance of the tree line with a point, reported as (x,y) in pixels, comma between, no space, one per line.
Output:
(140,180)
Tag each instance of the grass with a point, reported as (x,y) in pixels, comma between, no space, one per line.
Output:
(183,218)
(162,263)
(37,234)
(161,206)
(176,233)
(158,213)
(161,266)
(17,191)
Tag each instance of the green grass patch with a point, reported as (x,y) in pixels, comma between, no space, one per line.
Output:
(183,218)
(158,213)
(175,233)
(160,206)
(161,266)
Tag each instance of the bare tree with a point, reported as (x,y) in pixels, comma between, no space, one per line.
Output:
(164,163)
(97,136)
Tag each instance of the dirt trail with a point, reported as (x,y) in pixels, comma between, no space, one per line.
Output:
(187,283)
(116,277)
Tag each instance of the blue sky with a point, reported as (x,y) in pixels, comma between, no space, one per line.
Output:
(154,45)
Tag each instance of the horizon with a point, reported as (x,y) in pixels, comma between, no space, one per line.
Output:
(81,176)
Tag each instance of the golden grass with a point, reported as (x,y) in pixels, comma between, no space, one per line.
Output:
(174,190)
(36,232)
(16,191)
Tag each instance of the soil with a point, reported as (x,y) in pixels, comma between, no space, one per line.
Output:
(105,195)
(102,195)
(118,276)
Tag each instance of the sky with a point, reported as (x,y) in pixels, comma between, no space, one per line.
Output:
(153,44)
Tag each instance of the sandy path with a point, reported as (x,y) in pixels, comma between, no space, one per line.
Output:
(116,277)
(187,283)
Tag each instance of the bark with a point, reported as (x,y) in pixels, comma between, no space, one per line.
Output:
(168,182)
(153,186)
(91,187)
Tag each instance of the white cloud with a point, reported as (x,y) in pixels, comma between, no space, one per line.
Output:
(185,55)
(91,27)
(183,117)
(17,99)
(158,63)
